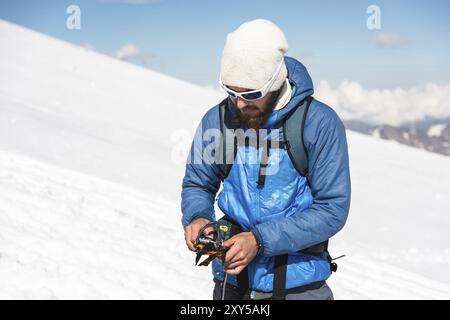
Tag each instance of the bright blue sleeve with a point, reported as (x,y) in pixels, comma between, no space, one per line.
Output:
(201,180)
(329,180)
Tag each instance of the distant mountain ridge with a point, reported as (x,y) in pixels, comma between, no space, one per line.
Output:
(431,137)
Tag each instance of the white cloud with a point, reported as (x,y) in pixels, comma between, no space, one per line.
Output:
(128,51)
(87,46)
(389,40)
(131,52)
(386,106)
(436,130)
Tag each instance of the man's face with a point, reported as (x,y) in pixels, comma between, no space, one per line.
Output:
(254,113)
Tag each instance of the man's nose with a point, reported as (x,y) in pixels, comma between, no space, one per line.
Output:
(240,103)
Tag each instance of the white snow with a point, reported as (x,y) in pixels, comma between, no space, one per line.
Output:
(90,184)
(397,235)
(405,135)
(67,235)
(436,130)
(376,133)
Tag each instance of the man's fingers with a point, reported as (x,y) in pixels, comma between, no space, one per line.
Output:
(235,264)
(208,230)
(231,254)
(196,229)
(191,233)
(237,270)
(229,243)
(187,238)
(187,234)
(190,245)
(194,233)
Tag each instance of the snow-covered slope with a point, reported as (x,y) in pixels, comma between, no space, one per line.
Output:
(92,113)
(397,237)
(67,235)
(89,188)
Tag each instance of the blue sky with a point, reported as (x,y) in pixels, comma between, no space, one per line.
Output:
(184,38)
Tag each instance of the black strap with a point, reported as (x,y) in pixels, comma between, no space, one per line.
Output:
(316,249)
(243,284)
(280,269)
(262,167)
(267,145)
(279,277)
(242,278)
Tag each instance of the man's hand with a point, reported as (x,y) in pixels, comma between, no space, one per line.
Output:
(243,249)
(191,231)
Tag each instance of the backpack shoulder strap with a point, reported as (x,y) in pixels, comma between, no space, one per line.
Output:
(228,147)
(293,133)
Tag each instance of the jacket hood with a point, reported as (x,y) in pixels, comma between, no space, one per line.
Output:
(302,87)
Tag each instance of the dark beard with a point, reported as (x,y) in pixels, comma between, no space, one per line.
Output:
(256,122)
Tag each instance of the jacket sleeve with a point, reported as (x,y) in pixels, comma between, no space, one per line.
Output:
(329,180)
(201,180)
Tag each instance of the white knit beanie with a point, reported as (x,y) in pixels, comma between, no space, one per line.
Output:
(252,55)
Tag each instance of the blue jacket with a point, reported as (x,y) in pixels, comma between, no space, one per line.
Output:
(291,212)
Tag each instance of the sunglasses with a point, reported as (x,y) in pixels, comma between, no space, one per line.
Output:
(253,94)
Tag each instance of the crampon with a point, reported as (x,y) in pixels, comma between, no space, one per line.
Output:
(211,242)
